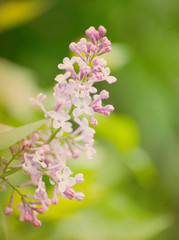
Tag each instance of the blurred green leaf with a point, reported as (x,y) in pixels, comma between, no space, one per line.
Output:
(123,133)
(141,165)
(4,127)
(15,13)
(119,129)
(104,228)
(12,136)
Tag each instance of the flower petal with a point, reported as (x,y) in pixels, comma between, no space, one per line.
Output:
(76,101)
(70,181)
(61,187)
(77,112)
(86,100)
(89,111)
(67,172)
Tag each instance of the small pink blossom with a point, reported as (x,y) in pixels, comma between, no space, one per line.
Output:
(79,178)
(64,179)
(60,120)
(61,78)
(79,196)
(109,79)
(82,106)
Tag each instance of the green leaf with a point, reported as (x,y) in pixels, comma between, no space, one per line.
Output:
(10,137)
(4,128)
(119,129)
(15,13)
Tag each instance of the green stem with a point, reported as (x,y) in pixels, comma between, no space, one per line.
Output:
(13,157)
(53,135)
(12,171)
(71,110)
(15,189)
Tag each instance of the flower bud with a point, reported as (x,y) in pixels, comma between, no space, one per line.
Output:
(39,210)
(106,42)
(8,211)
(79,196)
(79,178)
(93,121)
(69,193)
(48,202)
(104,94)
(102,31)
(72,46)
(25,144)
(37,223)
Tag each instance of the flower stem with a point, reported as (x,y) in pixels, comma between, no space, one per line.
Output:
(53,135)
(15,189)
(13,157)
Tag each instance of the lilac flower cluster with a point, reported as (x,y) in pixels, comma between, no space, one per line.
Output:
(68,131)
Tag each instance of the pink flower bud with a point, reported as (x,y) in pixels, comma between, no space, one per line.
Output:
(69,193)
(37,223)
(90,31)
(109,108)
(88,45)
(93,48)
(11,149)
(79,178)
(39,210)
(28,217)
(93,121)
(106,42)
(79,196)
(55,200)
(106,113)
(8,211)
(72,46)
(104,94)
(108,49)
(48,202)
(102,31)
(97,108)
(25,144)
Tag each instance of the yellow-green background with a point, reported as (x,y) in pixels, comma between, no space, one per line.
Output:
(132,185)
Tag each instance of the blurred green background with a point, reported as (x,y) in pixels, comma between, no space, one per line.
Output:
(132,185)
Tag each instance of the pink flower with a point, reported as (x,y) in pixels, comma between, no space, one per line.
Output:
(60,120)
(87,88)
(79,196)
(79,178)
(74,88)
(36,101)
(39,158)
(109,79)
(67,64)
(40,192)
(64,180)
(82,106)
(61,78)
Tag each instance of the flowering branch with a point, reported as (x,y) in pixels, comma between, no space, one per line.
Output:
(45,153)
